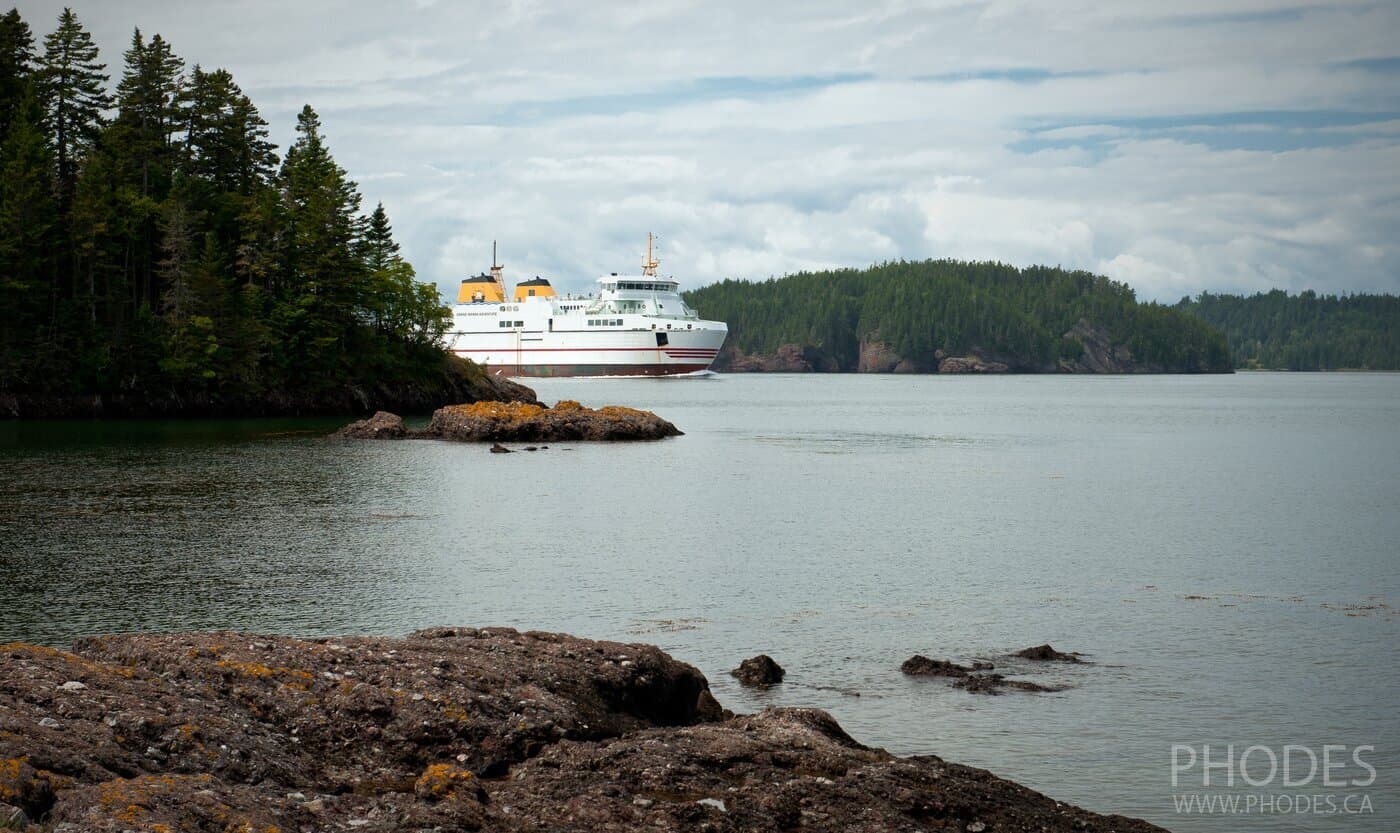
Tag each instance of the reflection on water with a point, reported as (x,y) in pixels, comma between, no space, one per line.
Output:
(1222,548)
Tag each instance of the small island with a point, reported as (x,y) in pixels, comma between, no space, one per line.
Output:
(518,422)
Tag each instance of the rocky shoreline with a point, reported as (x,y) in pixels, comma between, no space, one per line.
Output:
(498,422)
(448,729)
(1097,353)
(458,381)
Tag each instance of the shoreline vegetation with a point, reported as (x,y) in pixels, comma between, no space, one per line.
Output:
(950,316)
(158,257)
(450,729)
(947,316)
(1278,331)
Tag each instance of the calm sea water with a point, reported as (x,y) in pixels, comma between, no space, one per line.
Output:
(1226,550)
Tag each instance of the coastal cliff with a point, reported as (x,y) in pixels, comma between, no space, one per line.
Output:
(448,729)
(1090,349)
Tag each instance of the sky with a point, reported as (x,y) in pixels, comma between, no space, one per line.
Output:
(1222,145)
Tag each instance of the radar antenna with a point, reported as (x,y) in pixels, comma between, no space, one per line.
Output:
(496,269)
(649,265)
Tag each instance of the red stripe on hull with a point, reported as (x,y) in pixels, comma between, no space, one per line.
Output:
(546,370)
(649,349)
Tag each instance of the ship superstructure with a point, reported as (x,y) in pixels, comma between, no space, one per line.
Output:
(634,325)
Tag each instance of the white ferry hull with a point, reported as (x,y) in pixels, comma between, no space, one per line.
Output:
(606,353)
(636,325)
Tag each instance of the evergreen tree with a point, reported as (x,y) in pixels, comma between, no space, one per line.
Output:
(226,141)
(323,274)
(165,250)
(27,223)
(16,64)
(144,156)
(379,247)
(147,105)
(73,85)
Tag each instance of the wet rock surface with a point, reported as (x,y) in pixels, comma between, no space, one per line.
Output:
(448,729)
(974,677)
(921,666)
(1045,653)
(382,426)
(759,671)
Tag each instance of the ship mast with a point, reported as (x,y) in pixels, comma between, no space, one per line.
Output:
(496,269)
(649,265)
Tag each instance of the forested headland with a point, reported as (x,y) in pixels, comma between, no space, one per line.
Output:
(955,316)
(158,256)
(1278,331)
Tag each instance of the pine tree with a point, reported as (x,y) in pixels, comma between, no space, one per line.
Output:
(147,104)
(225,136)
(27,223)
(140,140)
(379,247)
(326,279)
(74,91)
(16,64)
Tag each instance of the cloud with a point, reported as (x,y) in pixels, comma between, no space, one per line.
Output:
(1202,144)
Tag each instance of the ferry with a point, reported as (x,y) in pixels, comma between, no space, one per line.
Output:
(634,325)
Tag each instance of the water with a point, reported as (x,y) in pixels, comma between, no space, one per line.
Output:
(839,523)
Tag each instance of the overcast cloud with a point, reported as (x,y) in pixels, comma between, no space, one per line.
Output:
(1224,144)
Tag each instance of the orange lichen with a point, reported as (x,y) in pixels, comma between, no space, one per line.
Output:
(499,411)
(440,782)
(298,679)
(11,772)
(71,659)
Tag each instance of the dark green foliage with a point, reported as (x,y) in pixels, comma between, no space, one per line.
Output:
(164,250)
(73,82)
(1020,316)
(1276,330)
(16,64)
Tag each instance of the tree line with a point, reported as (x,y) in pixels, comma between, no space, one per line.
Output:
(1278,331)
(929,308)
(151,239)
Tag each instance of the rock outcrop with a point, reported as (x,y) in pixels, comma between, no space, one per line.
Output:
(971,364)
(760,671)
(789,358)
(1045,653)
(449,729)
(567,420)
(974,677)
(498,422)
(382,426)
(921,666)
(876,357)
(1100,354)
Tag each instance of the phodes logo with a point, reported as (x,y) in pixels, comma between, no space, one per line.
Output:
(1292,779)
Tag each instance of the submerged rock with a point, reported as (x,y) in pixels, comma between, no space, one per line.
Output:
(450,729)
(1044,653)
(971,677)
(921,666)
(382,426)
(759,671)
(994,683)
